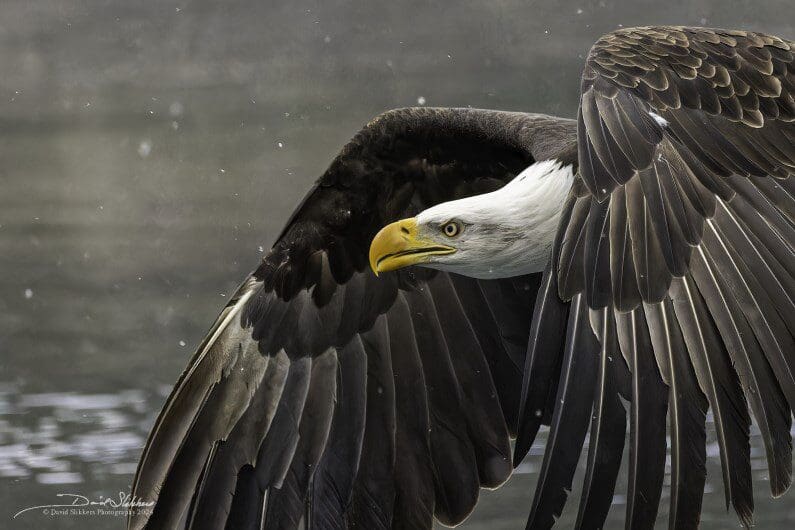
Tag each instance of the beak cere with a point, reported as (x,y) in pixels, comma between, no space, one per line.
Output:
(398,245)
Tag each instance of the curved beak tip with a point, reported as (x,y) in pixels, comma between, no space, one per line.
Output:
(390,241)
(398,245)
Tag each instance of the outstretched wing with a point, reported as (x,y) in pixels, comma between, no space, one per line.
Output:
(676,252)
(326,397)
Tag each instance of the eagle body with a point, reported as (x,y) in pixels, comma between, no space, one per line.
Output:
(458,278)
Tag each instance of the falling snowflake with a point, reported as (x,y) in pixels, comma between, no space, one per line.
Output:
(176,109)
(28,293)
(421,100)
(144,148)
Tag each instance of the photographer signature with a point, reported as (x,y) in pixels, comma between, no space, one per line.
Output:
(124,500)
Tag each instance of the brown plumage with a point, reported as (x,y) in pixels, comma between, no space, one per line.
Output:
(329,398)
(685,140)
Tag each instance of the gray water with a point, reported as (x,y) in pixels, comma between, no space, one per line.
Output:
(149,153)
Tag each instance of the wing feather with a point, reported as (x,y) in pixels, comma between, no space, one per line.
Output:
(543,363)
(570,420)
(686,148)
(287,502)
(455,479)
(758,309)
(321,397)
(719,383)
(626,294)
(772,413)
(647,421)
(486,426)
(333,481)
(687,419)
(417,480)
(608,427)
(373,497)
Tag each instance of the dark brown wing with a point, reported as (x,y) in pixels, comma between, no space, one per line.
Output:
(678,240)
(324,397)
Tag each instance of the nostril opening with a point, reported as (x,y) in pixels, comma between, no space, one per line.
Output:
(404,230)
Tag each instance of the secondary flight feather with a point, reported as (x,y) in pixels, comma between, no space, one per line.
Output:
(459,277)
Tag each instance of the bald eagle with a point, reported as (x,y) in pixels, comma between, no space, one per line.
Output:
(458,278)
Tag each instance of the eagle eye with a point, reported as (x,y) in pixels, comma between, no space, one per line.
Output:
(451,228)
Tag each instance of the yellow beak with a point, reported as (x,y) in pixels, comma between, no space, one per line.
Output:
(398,245)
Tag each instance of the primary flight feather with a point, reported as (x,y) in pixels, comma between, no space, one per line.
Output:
(459,277)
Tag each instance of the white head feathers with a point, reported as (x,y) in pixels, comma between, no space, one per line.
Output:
(504,233)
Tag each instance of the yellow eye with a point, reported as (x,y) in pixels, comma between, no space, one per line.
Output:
(451,229)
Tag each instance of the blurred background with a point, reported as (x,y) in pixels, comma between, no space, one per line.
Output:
(150,152)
